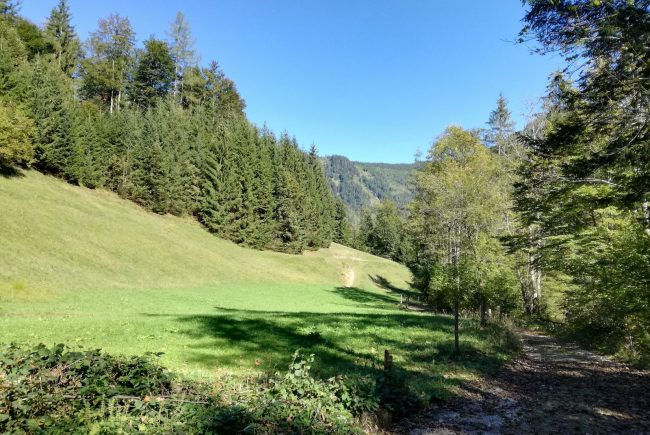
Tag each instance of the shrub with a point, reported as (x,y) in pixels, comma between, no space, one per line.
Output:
(57,389)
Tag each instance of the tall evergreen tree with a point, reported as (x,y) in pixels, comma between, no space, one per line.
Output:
(154,74)
(604,130)
(13,61)
(67,45)
(51,112)
(342,231)
(500,134)
(221,93)
(89,165)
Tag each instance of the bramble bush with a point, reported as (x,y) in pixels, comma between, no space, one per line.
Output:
(61,390)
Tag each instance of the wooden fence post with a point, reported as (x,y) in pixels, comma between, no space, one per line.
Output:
(388,360)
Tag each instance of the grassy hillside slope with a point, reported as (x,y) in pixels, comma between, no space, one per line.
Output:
(84,267)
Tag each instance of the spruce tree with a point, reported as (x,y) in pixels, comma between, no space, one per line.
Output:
(13,61)
(501,128)
(342,232)
(52,119)
(289,201)
(89,163)
(66,42)
(263,201)
(154,74)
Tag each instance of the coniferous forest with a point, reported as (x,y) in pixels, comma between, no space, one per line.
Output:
(150,124)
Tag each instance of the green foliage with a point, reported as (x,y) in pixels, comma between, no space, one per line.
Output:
(36,42)
(91,150)
(296,400)
(57,390)
(154,74)
(67,47)
(52,118)
(342,228)
(9,8)
(583,188)
(365,185)
(13,57)
(46,388)
(455,220)
(607,304)
(104,70)
(382,232)
(16,137)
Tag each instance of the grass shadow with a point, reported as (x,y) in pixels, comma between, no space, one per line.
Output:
(385,284)
(369,299)
(343,343)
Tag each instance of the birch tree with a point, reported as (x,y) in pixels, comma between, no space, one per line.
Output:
(459,203)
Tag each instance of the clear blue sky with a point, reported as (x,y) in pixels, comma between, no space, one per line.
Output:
(373,80)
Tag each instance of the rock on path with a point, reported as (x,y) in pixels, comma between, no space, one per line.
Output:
(552,387)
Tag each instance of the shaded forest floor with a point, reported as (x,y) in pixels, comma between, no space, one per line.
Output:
(553,387)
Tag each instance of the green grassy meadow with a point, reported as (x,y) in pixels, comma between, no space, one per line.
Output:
(86,268)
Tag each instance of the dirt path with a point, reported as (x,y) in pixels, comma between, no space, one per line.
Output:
(552,388)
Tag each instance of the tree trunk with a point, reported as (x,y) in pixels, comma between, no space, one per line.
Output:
(112,84)
(646,215)
(483,311)
(456,340)
(535,286)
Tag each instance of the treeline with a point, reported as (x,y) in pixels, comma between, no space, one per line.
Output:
(152,125)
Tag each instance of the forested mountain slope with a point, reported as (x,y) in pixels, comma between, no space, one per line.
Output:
(360,185)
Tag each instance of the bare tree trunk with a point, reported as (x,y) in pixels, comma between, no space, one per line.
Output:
(646,215)
(483,311)
(537,287)
(112,84)
(456,301)
(456,339)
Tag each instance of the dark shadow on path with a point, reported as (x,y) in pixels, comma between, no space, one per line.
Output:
(552,388)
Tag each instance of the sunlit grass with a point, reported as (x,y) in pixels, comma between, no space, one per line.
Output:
(86,268)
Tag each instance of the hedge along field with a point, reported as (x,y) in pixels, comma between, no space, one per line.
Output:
(83,267)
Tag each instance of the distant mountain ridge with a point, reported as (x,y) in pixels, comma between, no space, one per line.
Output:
(361,185)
